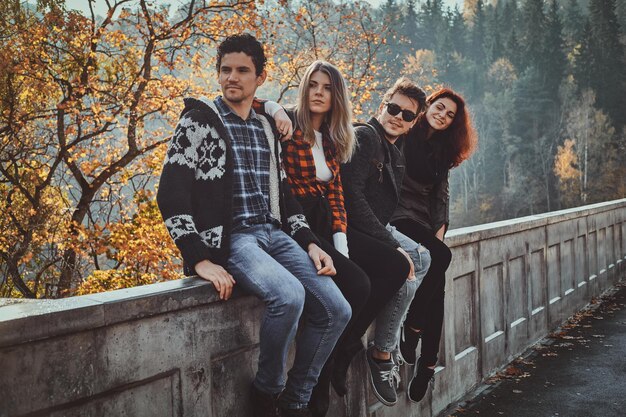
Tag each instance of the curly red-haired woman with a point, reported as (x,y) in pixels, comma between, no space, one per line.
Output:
(442,139)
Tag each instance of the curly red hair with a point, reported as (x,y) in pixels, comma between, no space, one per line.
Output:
(460,138)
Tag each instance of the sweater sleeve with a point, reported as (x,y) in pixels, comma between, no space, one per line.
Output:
(297,226)
(174,196)
(355,178)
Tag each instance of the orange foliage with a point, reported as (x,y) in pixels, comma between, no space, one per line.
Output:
(87,104)
(86,107)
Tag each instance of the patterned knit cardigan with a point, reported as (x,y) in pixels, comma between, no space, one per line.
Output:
(195,193)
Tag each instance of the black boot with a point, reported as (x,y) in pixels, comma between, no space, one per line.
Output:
(342,364)
(263,404)
(293,412)
(320,397)
(419,383)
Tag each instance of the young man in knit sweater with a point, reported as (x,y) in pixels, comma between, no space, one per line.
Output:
(225,201)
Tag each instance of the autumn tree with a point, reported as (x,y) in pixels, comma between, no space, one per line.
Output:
(590,147)
(87,103)
(302,31)
(567,170)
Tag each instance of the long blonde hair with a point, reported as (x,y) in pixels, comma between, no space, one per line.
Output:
(338,119)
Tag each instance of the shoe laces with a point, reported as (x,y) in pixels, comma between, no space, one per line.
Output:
(392,376)
(395,374)
(399,359)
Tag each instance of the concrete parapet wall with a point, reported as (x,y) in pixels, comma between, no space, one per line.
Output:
(174,349)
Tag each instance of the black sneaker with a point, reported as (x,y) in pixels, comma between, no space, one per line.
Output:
(408,344)
(384,377)
(418,386)
(263,404)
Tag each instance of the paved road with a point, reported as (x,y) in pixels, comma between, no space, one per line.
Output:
(579,372)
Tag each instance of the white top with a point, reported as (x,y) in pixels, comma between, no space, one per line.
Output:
(322,172)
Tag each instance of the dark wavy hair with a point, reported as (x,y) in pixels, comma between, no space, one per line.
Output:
(407,88)
(246,43)
(458,142)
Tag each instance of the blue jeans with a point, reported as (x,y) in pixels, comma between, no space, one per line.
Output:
(267,263)
(389,320)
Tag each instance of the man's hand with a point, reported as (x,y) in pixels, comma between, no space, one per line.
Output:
(412,270)
(221,279)
(322,261)
(283,124)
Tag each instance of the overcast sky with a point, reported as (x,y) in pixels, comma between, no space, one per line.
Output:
(100,5)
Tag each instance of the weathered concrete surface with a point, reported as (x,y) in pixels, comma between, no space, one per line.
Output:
(174,349)
(579,372)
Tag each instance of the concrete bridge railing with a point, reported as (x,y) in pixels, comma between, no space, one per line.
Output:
(174,349)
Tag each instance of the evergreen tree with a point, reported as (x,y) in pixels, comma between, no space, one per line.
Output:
(583,68)
(396,47)
(573,23)
(620,10)
(534,30)
(493,42)
(511,48)
(410,29)
(450,59)
(554,60)
(509,16)
(535,122)
(457,30)
(608,59)
(509,28)
(432,24)
(477,35)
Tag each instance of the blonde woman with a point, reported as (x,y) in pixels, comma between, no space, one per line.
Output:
(323,138)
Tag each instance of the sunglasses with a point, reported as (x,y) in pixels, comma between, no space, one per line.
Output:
(393,109)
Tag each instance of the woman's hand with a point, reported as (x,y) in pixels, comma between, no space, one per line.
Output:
(283,124)
(322,261)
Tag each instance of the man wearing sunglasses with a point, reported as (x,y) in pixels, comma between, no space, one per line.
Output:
(371,183)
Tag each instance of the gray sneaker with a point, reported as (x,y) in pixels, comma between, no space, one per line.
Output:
(384,377)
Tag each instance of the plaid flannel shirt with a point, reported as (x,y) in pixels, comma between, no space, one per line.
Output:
(300,167)
(252,167)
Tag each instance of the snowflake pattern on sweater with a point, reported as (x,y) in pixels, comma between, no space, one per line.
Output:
(195,191)
(207,158)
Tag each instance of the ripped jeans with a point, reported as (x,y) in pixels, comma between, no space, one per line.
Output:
(389,320)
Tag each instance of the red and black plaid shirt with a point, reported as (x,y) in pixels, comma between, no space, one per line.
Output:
(300,168)
(301,173)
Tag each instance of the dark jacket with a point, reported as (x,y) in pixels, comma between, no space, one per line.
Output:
(196,187)
(371,182)
(425,193)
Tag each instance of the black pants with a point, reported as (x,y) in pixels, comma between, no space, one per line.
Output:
(386,269)
(351,280)
(426,310)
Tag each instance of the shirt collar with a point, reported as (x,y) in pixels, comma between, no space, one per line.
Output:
(225,110)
